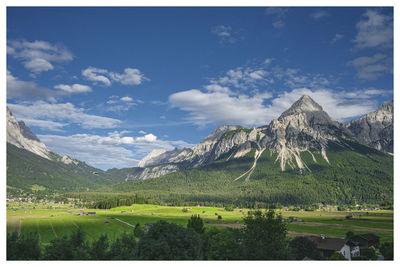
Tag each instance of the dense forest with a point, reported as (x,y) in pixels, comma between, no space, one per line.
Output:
(359,176)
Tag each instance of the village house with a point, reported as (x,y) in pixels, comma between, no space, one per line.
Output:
(81,213)
(329,245)
(366,240)
(354,249)
(90,213)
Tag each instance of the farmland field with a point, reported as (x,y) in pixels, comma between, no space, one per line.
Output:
(60,220)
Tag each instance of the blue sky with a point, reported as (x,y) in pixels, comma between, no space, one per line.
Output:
(108,85)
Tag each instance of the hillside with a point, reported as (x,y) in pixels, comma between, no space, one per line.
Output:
(356,175)
(26,170)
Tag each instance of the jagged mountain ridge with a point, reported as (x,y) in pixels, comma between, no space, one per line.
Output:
(375,129)
(304,127)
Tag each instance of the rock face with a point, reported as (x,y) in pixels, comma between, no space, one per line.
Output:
(21,136)
(304,127)
(375,129)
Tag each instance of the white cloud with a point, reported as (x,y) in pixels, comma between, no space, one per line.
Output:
(18,89)
(92,74)
(87,148)
(370,68)
(62,113)
(130,76)
(45,124)
(119,104)
(125,151)
(242,78)
(317,15)
(336,38)
(142,132)
(126,99)
(374,31)
(74,89)
(279,14)
(221,108)
(226,34)
(148,138)
(38,56)
(38,65)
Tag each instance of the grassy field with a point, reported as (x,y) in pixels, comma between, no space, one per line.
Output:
(60,220)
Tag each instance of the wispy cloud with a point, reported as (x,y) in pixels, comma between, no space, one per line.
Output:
(118,104)
(374,30)
(130,76)
(228,100)
(225,34)
(62,113)
(278,14)
(38,56)
(319,14)
(125,151)
(336,38)
(370,68)
(27,90)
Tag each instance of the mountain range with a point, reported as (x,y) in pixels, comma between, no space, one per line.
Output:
(303,148)
(304,127)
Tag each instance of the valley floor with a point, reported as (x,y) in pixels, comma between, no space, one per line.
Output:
(60,220)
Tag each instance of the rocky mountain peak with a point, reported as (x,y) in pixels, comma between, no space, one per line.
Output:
(375,129)
(21,136)
(304,104)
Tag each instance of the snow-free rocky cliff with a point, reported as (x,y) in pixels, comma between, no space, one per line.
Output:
(21,136)
(375,129)
(304,127)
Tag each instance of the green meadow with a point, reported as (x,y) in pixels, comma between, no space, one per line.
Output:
(60,220)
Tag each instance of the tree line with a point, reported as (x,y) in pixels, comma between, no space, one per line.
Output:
(264,237)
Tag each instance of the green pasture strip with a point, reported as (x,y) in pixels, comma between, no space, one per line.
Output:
(39,225)
(62,225)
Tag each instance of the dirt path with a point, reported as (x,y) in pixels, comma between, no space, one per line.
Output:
(231,225)
(346,227)
(125,222)
(294,234)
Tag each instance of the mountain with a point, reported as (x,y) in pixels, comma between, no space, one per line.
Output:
(375,129)
(302,157)
(21,136)
(304,127)
(31,165)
